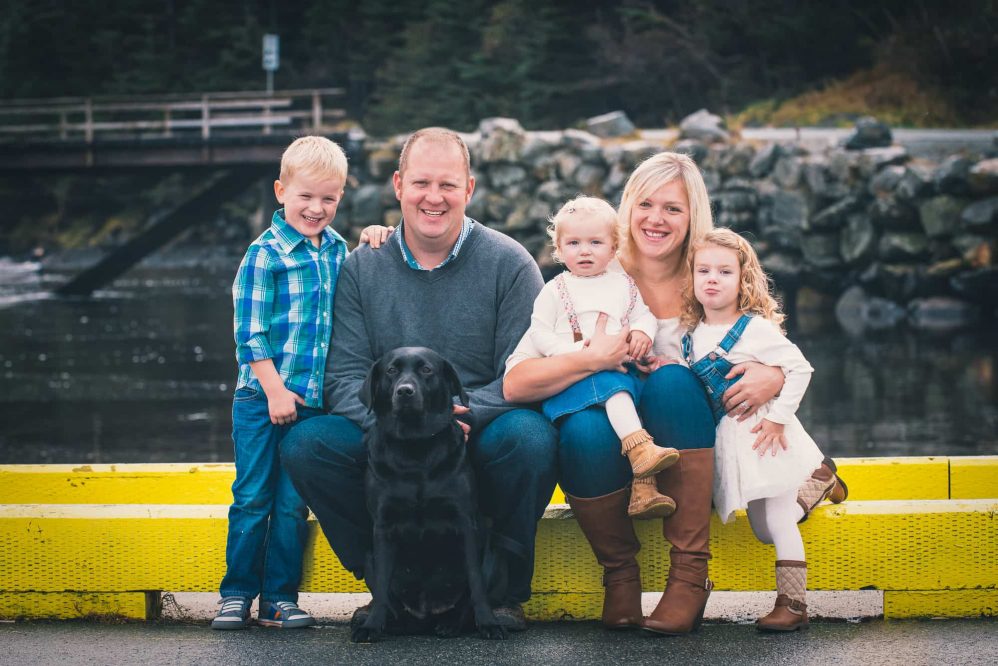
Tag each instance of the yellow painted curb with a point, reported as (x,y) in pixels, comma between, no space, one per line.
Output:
(949,603)
(73,605)
(916,478)
(973,477)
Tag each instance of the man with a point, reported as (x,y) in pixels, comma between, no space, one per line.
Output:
(445,282)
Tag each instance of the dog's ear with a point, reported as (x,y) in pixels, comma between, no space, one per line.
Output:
(370,386)
(454,386)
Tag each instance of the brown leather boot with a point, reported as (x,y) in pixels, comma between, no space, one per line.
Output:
(610,534)
(647,502)
(840,491)
(646,458)
(790,612)
(690,481)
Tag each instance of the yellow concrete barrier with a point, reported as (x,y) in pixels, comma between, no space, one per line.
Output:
(945,547)
(200,483)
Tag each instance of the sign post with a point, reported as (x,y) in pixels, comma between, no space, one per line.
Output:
(271,58)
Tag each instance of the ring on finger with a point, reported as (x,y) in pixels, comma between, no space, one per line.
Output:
(744,405)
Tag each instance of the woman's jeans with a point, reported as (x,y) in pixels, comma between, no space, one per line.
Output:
(514,458)
(267,519)
(673,409)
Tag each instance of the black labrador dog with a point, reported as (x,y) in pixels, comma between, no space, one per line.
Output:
(426,561)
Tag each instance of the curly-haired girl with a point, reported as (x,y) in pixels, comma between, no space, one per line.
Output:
(762,462)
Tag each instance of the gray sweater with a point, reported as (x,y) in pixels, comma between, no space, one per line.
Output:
(473,311)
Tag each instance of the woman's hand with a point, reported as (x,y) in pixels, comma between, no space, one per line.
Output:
(759,384)
(770,437)
(607,352)
(650,364)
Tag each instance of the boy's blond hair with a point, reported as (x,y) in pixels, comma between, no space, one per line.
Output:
(314,155)
(652,174)
(582,206)
(754,287)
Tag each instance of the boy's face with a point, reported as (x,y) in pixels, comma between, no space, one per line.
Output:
(310,202)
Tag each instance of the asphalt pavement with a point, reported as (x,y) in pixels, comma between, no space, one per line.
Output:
(907,643)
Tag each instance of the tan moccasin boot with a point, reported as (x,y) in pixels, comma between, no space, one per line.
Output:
(646,458)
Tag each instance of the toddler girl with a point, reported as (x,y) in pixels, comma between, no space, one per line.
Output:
(761,462)
(565,313)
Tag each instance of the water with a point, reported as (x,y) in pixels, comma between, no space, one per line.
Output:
(144,372)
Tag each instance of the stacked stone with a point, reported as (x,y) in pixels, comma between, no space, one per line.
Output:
(864,221)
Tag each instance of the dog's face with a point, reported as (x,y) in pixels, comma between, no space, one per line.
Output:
(412,388)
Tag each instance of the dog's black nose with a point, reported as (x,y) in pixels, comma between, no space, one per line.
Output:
(405,390)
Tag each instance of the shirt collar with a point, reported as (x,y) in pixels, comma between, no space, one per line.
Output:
(289,237)
(411,260)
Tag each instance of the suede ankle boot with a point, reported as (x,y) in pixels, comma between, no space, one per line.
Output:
(647,502)
(690,481)
(610,534)
(790,611)
(646,458)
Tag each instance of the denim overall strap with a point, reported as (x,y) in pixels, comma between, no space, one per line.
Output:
(732,336)
(687,348)
(566,302)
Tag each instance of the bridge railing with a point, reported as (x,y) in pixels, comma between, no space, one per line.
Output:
(170,116)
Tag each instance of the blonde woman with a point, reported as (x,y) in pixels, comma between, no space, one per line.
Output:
(663,209)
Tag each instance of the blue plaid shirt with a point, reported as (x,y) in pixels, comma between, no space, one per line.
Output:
(283,302)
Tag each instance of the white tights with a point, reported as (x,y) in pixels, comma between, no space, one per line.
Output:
(774,520)
(623,414)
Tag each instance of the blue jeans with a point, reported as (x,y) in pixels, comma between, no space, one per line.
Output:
(514,458)
(267,519)
(673,408)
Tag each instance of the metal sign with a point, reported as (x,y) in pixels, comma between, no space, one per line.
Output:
(271,52)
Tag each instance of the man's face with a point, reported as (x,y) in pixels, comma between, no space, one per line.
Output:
(433,193)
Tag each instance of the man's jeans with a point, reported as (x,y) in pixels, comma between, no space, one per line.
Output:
(674,410)
(514,459)
(267,519)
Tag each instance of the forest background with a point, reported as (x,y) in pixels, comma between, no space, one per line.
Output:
(548,63)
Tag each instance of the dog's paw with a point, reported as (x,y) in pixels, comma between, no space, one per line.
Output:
(447,629)
(492,632)
(365,635)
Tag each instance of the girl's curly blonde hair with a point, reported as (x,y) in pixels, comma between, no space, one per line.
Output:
(582,206)
(754,288)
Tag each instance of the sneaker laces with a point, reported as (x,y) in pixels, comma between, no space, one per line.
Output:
(287,607)
(232,605)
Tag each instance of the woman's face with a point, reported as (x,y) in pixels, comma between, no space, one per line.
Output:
(660,223)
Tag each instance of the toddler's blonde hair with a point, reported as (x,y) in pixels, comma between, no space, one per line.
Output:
(314,155)
(754,287)
(582,206)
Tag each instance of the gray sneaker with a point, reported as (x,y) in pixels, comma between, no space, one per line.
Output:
(234,613)
(283,615)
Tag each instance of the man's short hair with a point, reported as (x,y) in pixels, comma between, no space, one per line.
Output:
(435,134)
(315,155)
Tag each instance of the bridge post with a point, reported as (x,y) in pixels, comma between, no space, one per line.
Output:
(205,117)
(88,119)
(316,110)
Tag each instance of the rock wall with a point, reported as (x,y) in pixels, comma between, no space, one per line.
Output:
(891,237)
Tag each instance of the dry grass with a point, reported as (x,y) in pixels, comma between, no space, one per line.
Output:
(891,96)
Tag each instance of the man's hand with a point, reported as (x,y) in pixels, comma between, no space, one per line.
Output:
(770,437)
(638,345)
(375,235)
(458,410)
(283,406)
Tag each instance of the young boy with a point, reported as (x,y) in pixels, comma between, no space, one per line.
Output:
(283,299)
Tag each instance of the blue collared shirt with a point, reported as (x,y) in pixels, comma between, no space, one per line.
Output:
(283,302)
(411,260)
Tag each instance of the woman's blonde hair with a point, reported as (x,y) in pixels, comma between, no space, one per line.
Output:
(754,287)
(650,175)
(582,206)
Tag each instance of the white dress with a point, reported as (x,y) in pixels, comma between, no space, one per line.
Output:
(740,473)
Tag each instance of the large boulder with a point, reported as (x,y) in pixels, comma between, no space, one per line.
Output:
(502,140)
(940,216)
(365,205)
(952,176)
(858,239)
(983,177)
(857,312)
(869,133)
(703,126)
(981,213)
(940,313)
(615,123)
